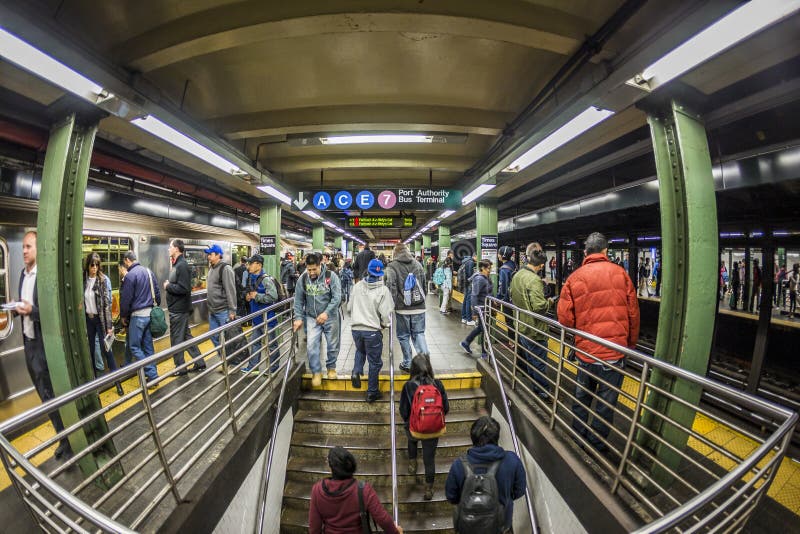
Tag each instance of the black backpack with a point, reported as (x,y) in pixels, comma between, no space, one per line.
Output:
(479,508)
(278,286)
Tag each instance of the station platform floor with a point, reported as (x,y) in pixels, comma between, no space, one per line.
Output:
(443,334)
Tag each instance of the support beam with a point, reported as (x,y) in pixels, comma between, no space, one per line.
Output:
(318,238)
(270,224)
(764,317)
(60,283)
(486,225)
(337,244)
(689,245)
(418,247)
(426,245)
(444,241)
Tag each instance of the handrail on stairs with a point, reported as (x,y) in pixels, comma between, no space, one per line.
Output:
(506,405)
(392,423)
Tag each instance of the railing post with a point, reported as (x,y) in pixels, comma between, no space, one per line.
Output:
(392,424)
(156,436)
(516,348)
(634,423)
(228,395)
(559,372)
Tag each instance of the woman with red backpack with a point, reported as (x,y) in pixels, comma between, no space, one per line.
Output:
(423,406)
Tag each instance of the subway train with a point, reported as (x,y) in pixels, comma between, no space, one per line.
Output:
(110,234)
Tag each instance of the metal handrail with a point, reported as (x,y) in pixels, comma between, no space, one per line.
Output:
(509,418)
(58,508)
(392,423)
(686,499)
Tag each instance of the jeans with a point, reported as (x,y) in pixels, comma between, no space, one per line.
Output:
(369,347)
(588,383)
(536,355)
(792,301)
(178,333)
(94,328)
(445,299)
(475,332)
(141,343)
(331,329)
(255,348)
(466,306)
(411,326)
(428,454)
(215,320)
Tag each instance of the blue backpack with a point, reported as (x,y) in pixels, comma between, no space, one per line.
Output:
(412,291)
(439,276)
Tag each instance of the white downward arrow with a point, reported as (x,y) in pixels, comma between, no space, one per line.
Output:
(300,202)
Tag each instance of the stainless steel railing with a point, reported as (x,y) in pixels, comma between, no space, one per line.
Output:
(393,424)
(686,483)
(155,440)
(509,418)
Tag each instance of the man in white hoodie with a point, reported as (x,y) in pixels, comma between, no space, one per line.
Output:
(370,305)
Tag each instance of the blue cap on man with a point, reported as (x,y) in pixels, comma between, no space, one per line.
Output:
(215,249)
(375,268)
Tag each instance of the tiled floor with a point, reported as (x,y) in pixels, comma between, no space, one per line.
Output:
(442,334)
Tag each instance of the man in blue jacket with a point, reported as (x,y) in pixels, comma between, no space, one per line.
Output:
(135,302)
(465,273)
(316,304)
(261,293)
(510,476)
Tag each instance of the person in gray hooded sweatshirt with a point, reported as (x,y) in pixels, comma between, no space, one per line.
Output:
(221,288)
(410,319)
(369,307)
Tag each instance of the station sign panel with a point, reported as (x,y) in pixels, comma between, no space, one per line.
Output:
(267,245)
(381,222)
(412,198)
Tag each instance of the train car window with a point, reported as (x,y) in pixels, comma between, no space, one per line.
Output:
(5,316)
(111,249)
(238,252)
(198,265)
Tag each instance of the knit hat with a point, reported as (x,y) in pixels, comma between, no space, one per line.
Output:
(375,268)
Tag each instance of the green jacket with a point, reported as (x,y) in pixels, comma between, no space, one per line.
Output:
(527,292)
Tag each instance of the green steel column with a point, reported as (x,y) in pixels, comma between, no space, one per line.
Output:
(444,241)
(318,238)
(337,243)
(418,247)
(60,282)
(689,258)
(353,250)
(486,224)
(426,244)
(270,224)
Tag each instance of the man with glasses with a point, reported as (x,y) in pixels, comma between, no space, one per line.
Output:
(599,298)
(221,291)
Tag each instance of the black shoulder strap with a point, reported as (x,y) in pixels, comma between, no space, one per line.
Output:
(362,511)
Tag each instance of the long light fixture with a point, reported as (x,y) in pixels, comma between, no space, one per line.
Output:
(447,213)
(476,193)
(313,214)
(29,58)
(734,27)
(329,224)
(283,197)
(361,139)
(586,120)
(174,137)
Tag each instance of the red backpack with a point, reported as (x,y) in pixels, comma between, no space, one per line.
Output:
(427,413)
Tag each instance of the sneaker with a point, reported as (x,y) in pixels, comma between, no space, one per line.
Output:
(463,321)
(332,374)
(405,368)
(316,380)
(470,323)
(428,492)
(484,356)
(197,368)
(182,372)
(355,380)
(465,346)
(247,369)
(374,397)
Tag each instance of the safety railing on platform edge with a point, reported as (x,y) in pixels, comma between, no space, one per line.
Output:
(117,467)
(509,419)
(657,446)
(392,423)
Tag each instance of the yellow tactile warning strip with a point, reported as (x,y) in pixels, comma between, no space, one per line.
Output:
(466,380)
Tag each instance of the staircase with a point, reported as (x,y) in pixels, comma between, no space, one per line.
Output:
(335,414)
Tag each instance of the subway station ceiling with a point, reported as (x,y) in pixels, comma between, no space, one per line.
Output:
(270,80)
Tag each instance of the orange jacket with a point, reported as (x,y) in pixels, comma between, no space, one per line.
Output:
(600,298)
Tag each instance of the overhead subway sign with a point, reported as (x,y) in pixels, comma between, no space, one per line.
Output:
(412,198)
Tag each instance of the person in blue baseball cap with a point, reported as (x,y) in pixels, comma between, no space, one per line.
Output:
(221,287)
(370,307)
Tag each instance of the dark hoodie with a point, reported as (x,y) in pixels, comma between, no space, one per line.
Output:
(504,275)
(510,476)
(334,506)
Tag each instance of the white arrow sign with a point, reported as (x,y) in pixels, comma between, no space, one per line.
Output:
(300,202)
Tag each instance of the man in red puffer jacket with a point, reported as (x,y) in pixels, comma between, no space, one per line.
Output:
(599,298)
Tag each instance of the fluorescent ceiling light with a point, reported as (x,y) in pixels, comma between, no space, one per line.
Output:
(329,224)
(340,230)
(29,58)
(736,26)
(586,120)
(283,197)
(447,214)
(174,137)
(313,214)
(358,139)
(476,193)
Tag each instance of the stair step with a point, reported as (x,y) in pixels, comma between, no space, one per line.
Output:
(371,424)
(369,447)
(469,380)
(376,472)
(296,521)
(353,401)
(298,495)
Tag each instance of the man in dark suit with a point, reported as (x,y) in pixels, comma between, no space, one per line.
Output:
(28,309)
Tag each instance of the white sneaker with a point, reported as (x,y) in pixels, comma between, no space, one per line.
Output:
(463,321)
(471,323)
